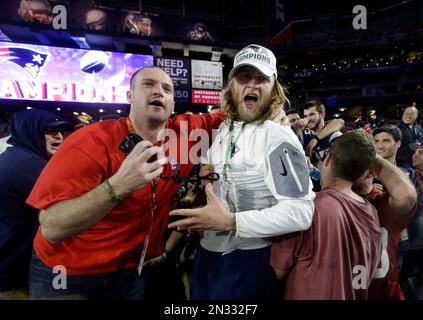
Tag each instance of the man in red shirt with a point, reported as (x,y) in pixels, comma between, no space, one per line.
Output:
(104,213)
(337,256)
(396,208)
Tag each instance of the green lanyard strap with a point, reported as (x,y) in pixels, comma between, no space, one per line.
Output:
(230,150)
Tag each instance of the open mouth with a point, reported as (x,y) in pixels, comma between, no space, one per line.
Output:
(55,144)
(250,99)
(157,103)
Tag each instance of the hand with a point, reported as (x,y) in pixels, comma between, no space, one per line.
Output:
(279,116)
(213,216)
(378,186)
(135,171)
(300,124)
(154,262)
(285,122)
(309,165)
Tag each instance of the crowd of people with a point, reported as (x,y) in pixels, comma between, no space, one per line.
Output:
(301,208)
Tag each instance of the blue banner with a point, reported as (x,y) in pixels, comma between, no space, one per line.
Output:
(179,71)
(280,21)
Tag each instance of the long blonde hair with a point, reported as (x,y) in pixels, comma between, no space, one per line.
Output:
(279,98)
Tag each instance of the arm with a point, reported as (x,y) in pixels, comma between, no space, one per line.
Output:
(171,243)
(294,209)
(284,253)
(402,193)
(285,217)
(70,217)
(329,128)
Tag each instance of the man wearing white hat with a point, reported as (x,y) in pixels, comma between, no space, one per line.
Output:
(264,189)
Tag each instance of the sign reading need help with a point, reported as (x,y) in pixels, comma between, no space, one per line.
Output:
(179,72)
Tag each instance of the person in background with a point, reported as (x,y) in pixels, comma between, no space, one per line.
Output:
(411,133)
(396,208)
(335,262)
(388,140)
(316,127)
(36,135)
(297,124)
(200,33)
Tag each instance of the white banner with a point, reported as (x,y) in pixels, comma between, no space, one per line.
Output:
(206,75)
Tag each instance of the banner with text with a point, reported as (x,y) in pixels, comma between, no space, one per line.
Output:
(205,96)
(179,71)
(29,72)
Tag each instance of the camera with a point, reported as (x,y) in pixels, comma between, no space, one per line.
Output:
(130,141)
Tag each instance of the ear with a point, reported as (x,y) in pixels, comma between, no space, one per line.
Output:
(328,159)
(398,144)
(370,173)
(129,96)
(366,175)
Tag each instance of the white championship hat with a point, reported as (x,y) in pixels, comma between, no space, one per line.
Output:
(257,57)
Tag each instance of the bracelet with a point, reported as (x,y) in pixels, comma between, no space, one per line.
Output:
(111,191)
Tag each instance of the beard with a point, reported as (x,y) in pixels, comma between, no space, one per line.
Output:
(250,115)
(316,125)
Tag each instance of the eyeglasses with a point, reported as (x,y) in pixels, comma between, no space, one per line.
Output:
(321,154)
(53,131)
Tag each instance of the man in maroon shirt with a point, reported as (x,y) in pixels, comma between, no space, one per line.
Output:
(337,256)
(395,208)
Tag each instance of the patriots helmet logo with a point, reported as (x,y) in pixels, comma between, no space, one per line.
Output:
(256,48)
(30,60)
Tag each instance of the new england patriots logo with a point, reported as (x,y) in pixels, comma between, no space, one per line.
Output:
(30,60)
(256,48)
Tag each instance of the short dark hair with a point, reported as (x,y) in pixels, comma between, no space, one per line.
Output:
(292,111)
(315,103)
(134,75)
(352,154)
(394,131)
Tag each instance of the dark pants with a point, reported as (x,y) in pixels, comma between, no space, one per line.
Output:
(122,284)
(238,275)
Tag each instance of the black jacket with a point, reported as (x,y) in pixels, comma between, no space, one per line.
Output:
(20,166)
(409,135)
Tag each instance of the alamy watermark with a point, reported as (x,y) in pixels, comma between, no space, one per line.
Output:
(60,20)
(60,281)
(360,20)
